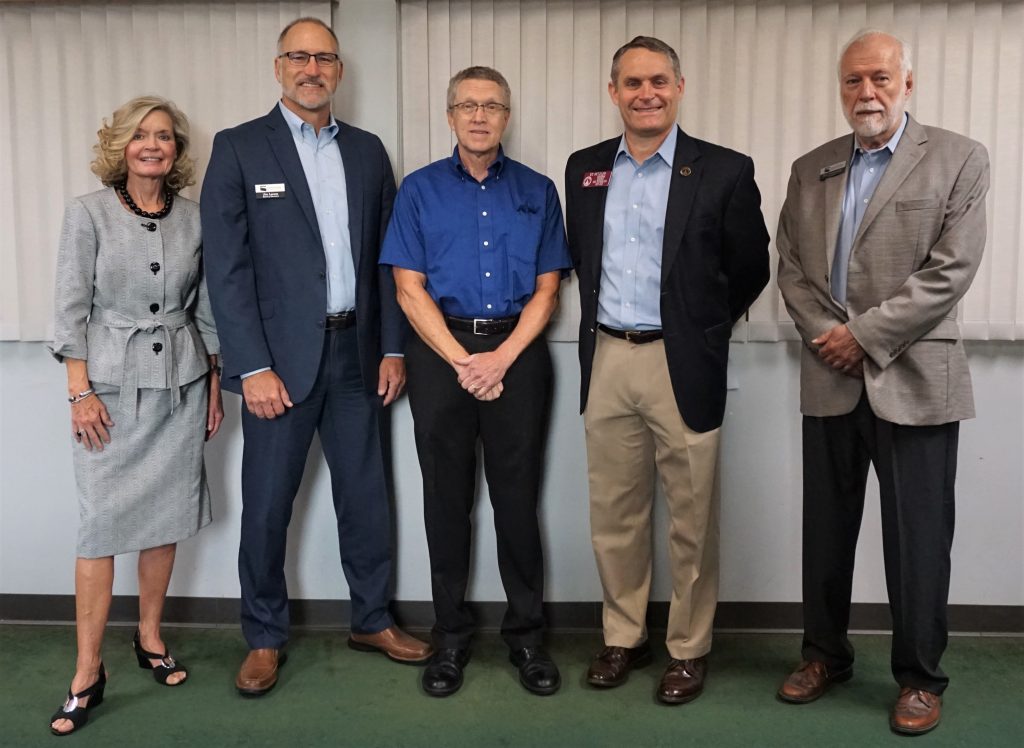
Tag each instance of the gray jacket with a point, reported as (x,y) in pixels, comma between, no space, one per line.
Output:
(131,298)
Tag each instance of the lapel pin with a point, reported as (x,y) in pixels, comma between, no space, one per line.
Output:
(831,170)
(686,171)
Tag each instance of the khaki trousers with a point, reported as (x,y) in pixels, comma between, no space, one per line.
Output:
(633,429)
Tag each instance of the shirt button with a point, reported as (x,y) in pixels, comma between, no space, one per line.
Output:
(486,244)
(484,213)
(865,201)
(154,308)
(872,169)
(635,206)
(632,238)
(488,306)
(629,272)
(487,275)
(483,186)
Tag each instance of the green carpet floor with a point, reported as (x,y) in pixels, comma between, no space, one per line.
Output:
(332,696)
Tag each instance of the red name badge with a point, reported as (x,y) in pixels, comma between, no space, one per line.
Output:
(597,178)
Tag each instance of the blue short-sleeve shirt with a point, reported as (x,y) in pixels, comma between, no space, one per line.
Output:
(481,245)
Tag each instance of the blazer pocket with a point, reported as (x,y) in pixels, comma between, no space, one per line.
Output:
(928,203)
(718,334)
(266,308)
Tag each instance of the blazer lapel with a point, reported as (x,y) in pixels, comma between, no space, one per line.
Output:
(835,191)
(593,200)
(354,191)
(283,146)
(906,156)
(686,175)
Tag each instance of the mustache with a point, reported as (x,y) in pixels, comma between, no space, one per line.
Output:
(310,79)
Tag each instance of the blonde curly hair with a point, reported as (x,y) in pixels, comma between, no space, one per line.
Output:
(110,165)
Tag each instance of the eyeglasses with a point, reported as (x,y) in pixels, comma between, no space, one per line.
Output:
(301,59)
(469,108)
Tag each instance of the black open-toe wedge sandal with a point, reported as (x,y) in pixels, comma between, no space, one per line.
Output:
(164,670)
(76,713)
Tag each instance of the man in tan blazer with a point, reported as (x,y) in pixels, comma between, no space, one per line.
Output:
(879,238)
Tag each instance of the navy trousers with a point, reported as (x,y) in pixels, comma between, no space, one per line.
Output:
(916,469)
(347,418)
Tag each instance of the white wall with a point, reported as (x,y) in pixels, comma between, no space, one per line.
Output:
(760,494)
(760,464)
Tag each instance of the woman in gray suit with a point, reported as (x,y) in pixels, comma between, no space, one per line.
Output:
(134,328)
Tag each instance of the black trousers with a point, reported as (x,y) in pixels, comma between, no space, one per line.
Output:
(449,423)
(916,469)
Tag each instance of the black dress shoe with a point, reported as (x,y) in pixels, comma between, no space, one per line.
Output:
(537,672)
(443,675)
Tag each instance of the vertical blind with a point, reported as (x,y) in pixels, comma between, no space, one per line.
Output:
(760,78)
(64,67)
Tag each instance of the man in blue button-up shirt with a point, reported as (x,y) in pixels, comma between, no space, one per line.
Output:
(478,250)
(670,248)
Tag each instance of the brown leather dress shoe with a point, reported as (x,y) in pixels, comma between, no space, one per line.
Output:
(683,681)
(395,643)
(810,680)
(612,665)
(915,712)
(258,673)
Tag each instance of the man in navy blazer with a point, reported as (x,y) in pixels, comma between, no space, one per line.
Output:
(294,207)
(670,247)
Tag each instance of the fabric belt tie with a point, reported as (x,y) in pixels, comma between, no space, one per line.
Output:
(162,325)
(633,336)
(481,326)
(340,321)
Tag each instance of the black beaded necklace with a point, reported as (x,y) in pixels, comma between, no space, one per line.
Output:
(122,190)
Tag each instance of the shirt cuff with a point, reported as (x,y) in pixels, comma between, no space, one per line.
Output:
(255,371)
(394,355)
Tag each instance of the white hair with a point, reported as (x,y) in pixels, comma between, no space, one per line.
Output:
(906,66)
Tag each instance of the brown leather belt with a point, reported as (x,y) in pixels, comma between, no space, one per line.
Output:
(481,326)
(633,336)
(340,321)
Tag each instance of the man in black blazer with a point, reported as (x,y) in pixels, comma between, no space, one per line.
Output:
(670,247)
(294,207)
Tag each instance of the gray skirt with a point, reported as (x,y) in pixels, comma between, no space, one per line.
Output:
(147,488)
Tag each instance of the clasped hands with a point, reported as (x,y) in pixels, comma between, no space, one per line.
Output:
(480,374)
(840,350)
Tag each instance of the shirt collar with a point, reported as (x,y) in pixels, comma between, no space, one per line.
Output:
(296,123)
(890,146)
(667,149)
(494,169)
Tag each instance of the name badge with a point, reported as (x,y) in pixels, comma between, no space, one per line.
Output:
(270,190)
(597,179)
(832,170)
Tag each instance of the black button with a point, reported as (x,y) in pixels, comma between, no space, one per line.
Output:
(154,308)
(155,267)
(157,347)
(323,274)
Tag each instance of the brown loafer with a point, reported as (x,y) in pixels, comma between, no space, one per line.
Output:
(915,712)
(395,643)
(810,680)
(258,673)
(683,681)
(612,665)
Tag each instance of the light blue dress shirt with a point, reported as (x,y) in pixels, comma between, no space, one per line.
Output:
(866,170)
(325,176)
(634,231)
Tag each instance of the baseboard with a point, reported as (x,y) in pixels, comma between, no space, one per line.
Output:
(568,616)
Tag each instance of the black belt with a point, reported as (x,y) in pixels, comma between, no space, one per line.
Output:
(481,326)
(340,321)
(633,336)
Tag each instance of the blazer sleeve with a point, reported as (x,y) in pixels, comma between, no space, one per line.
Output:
(932,291)
(394,325)
(809,315)
(228,263)
(75,283)
(745,243)
(203,315)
